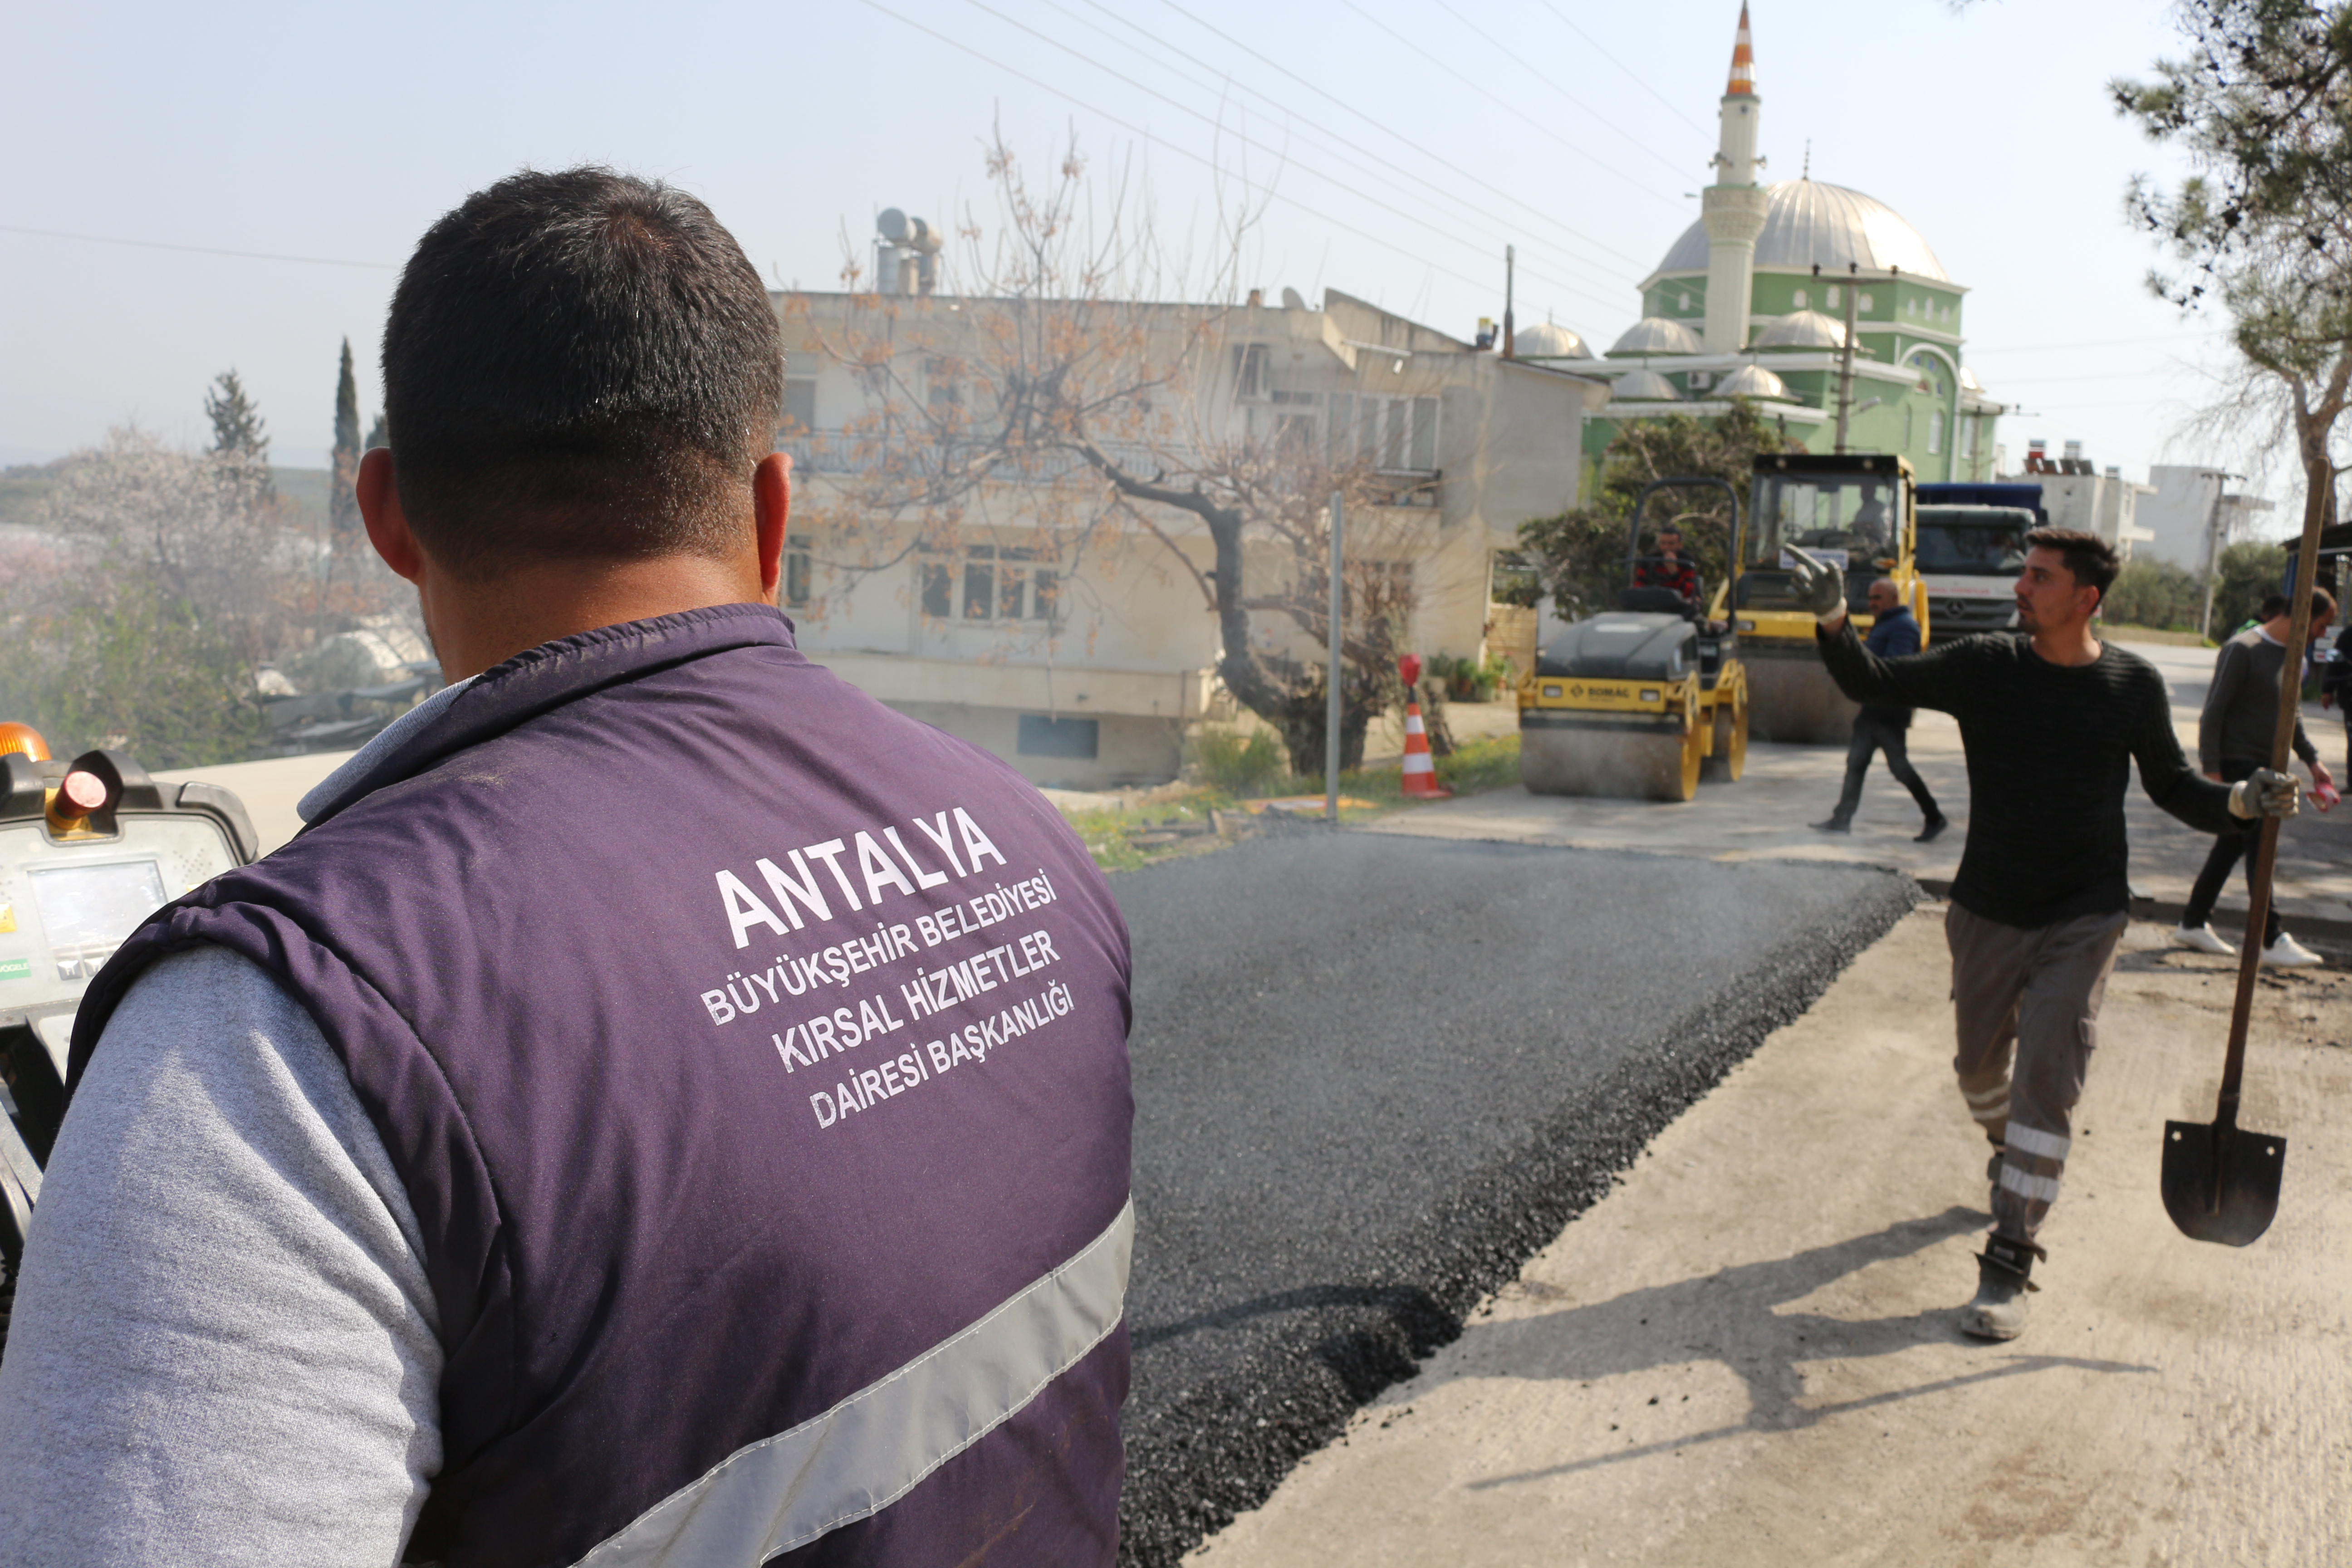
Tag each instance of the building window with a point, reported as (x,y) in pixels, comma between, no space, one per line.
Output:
(997,583)
(796,571)
(1907,412)
(1866,302)
(1967,437)
(1798,299)
(1045,737)
(800,405)
(1833,298)
(1389,433)
(1250,370)
(1682,303)
(1935,434)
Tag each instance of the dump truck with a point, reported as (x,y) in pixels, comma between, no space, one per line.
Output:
(1857,510)
(89,849)
(1643,700)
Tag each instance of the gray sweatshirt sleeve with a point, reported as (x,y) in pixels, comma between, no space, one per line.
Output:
(223,1346)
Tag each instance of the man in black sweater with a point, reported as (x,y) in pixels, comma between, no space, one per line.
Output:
(2052,721)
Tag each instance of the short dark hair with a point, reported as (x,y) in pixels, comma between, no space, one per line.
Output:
(2090,560)
(579,364)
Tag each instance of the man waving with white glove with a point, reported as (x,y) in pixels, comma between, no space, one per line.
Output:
(2049,720)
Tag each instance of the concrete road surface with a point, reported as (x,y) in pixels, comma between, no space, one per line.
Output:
(1373,1074)
(1746,1353)
(1766,815)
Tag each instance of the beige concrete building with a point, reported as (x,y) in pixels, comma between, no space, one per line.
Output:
(1034,612)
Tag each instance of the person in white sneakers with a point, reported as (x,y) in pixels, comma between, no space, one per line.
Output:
(2234,739)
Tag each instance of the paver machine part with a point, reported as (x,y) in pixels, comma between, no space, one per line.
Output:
(1855,508)
(87,850)
(1644,700)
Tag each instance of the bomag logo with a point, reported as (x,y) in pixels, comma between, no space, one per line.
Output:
(1576,691)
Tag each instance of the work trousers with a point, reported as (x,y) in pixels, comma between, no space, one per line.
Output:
(2026,1006)
(1871,734)
(2228,849)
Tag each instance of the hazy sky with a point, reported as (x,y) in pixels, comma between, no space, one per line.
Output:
(1395,150)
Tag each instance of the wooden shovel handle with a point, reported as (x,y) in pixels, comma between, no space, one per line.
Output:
(2258,904)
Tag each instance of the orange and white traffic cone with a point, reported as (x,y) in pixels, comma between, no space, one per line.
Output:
(1420,767)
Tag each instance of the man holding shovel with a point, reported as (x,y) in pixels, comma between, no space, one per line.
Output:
(2051,721)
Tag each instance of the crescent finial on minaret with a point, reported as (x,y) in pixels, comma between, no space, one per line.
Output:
(1743,60)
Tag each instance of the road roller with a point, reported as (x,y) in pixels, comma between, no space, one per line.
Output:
(1642,700)
(1855,509)
(89,849)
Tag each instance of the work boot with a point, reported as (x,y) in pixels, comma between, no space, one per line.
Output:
(1933,830)
(1835,825)
(2003,1278)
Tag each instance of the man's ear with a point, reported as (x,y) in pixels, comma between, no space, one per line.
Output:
(380,510)
(772,509)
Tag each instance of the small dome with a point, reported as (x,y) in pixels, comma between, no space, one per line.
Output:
(1644,386)
(1803,330)
(1549,342)
(1753,381)
(1657,335)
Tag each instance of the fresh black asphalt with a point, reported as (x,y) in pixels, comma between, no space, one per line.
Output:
(1373,1074)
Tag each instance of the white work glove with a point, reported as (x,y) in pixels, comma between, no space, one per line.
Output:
(1818,585)
(2265,794)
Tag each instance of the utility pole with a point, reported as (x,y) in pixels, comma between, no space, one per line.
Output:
(1331,680)
(1510,284)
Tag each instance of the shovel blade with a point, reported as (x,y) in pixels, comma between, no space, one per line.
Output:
(2222,1183)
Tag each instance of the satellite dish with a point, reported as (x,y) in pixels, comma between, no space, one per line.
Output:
(1291,300)
(891,226)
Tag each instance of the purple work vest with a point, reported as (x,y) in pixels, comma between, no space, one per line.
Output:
(754,1057)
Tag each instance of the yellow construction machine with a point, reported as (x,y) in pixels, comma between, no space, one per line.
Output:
(1856,509)
(1643,699)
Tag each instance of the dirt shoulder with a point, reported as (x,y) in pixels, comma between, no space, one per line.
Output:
(1746,1354)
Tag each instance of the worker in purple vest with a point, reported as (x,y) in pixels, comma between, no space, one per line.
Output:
(666,1106)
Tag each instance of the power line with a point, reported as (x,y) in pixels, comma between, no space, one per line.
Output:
(2101,342)
(1449,166)
(1332,136)
(1571,98)
(1622,66)
(195,250)
(1434,227)
(1180,152)
(1488,93)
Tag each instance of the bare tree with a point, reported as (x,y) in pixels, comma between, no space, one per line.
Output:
(2263,106)
(1048,389)
(157,583)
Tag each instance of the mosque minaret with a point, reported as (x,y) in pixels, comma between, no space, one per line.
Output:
(1734,208)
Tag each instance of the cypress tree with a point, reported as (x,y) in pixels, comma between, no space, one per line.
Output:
(342,505)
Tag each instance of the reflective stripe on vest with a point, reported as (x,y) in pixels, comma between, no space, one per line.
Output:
(871,1450)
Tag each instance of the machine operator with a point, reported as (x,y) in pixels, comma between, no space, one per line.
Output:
(568,1146)
(1669,567)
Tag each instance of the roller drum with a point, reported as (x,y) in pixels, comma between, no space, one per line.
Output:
(1792,698)
(1620,764)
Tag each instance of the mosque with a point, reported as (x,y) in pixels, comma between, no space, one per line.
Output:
(1753,300)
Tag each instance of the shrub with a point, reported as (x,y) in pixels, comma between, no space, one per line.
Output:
(1239,764)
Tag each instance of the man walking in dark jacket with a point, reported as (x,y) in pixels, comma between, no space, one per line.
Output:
(1882,727)
(2053,721)
(2234,739)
